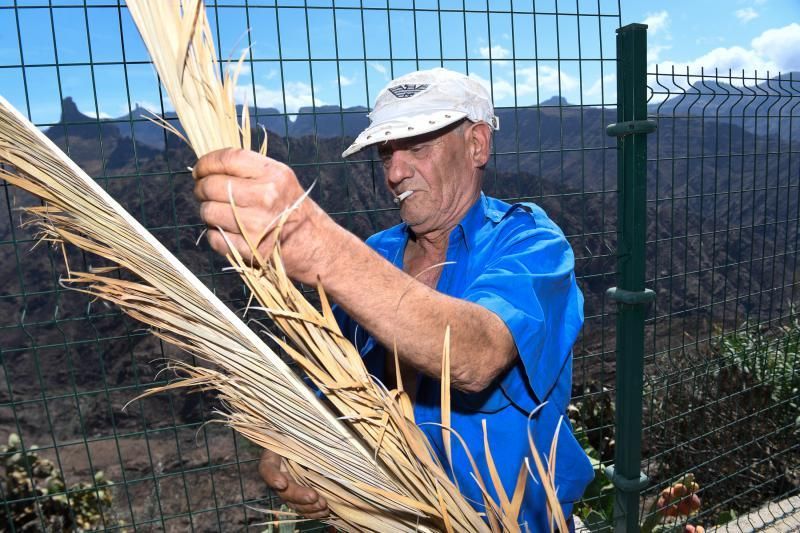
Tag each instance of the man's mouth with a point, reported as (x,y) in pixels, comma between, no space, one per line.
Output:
(402,196)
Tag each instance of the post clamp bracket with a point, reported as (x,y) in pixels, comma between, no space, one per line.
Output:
(626,484)
(623,296)
(622,129)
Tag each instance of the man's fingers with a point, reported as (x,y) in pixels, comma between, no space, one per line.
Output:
(269,469)
(247,177)
(316,510)
(230,161)
(306,509)
(220,215)
(299,495)
(303,500)
(245,192)
(220,245)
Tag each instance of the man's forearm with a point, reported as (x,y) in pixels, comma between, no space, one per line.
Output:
(395,308)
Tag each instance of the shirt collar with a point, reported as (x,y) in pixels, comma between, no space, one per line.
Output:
(472,221)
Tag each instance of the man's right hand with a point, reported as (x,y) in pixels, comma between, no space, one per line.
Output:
(304,500)
(263,189)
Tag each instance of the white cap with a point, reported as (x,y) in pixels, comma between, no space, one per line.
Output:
(422,102)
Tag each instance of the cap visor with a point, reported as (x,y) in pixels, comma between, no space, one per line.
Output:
(409,126)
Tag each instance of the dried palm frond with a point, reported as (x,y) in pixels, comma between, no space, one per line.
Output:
(367,458)
(178,38)
(281,412)
(181,46)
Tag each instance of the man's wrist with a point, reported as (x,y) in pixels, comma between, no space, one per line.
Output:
(339,248)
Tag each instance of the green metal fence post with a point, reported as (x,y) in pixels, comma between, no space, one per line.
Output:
(631,296)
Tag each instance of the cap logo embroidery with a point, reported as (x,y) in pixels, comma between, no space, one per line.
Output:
(407,90)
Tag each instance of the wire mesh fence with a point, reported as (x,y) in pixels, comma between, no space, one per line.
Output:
(79,70)
(721,390)
(722,240)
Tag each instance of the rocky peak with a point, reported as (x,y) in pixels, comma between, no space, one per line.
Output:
(70,112)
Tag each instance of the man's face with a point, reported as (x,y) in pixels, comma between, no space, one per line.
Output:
(437,168)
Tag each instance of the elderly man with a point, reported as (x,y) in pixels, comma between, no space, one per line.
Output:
(501,276)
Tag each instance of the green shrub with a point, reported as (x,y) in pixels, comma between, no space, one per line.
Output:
(768,358)
(592,417)
(37,499)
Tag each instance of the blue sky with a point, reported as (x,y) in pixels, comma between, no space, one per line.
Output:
(307,52)
(739,34)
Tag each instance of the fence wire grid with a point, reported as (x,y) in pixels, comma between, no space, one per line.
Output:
(721,366)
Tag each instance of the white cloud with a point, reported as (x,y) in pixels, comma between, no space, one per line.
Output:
(548,79)
(746,14)
(344,81)
(102,115)
(657,22)
(775,50)
(244,69)
(379,67)
(735,58)
(608,85)
(654,52)
(499,88)
(497,52)
(781,46)
(297,95)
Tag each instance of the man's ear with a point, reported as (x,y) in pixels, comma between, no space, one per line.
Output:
(479,141)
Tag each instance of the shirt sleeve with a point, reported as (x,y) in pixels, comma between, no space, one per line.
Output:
(529,282)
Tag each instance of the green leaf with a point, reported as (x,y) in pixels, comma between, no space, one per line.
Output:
(726,516)
(596,522)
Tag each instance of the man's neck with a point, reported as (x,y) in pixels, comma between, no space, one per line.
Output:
(434,243)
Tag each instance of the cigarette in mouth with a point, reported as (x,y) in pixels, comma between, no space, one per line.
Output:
(403,196)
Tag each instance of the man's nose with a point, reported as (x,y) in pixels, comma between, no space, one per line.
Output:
(398,169)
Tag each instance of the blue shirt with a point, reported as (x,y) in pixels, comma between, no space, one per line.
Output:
(514,261)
